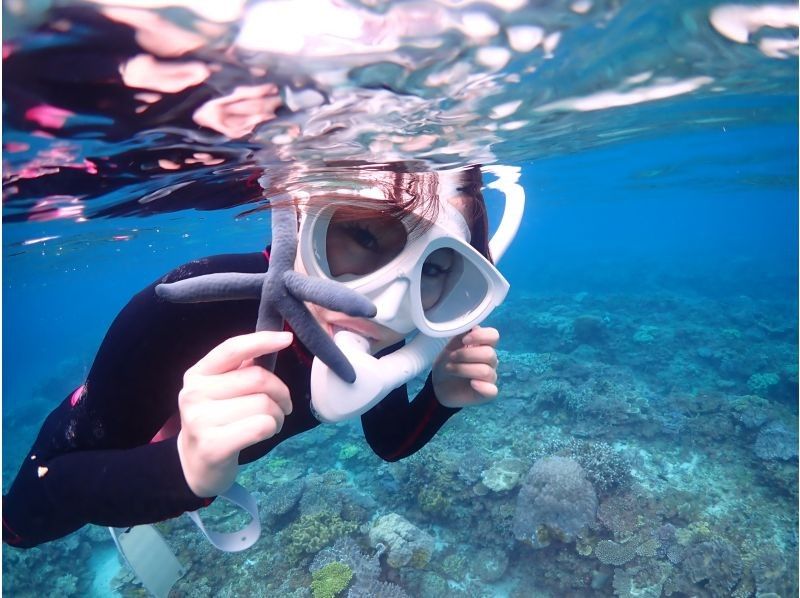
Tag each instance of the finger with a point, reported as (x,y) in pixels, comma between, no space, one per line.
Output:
(477,354)
(456,342)
(218,413)
(482,336)
(238,435)
(249,380)
(486,389)
(473,371)
(231,353)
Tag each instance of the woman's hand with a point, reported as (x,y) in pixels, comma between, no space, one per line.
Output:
(465,372)
(227,404)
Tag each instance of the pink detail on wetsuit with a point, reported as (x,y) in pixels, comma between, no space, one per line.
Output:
(48,116)
(77,395)
(170,428)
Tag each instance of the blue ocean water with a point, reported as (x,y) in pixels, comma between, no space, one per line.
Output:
(648,375)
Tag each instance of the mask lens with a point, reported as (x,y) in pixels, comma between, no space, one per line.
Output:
(454,293)
(359,241)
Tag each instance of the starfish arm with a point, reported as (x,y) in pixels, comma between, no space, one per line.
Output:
(228,286)
(269,318)
(267,361)
(315,338)
(284,239)
(329,294)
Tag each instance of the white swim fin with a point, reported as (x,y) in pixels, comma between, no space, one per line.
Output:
(149,556)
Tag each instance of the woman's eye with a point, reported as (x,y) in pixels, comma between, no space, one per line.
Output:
(363,237)
(434,270)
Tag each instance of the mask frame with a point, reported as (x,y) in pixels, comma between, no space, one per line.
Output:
(334,400)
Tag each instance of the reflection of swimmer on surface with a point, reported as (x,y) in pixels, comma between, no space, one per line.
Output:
(155,101)
(120,71)
(173,403)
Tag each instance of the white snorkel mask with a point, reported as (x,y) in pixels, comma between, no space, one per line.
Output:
(437,285)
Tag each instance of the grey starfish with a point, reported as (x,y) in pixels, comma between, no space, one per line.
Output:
(282,292)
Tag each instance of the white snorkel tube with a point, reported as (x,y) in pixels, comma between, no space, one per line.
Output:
(334,400)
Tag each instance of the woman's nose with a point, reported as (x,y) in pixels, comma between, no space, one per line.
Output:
(394,307)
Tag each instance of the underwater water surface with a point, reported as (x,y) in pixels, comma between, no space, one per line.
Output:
(648,355)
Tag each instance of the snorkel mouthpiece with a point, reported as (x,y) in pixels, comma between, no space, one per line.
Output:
(334,400)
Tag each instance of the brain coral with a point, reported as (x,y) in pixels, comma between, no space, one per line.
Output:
(555,497)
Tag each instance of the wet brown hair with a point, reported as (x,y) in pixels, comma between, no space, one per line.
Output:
(409,191)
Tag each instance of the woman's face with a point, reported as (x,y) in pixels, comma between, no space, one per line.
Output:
(359,242)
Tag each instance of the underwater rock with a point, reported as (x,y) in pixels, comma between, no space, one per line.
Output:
(645,334)
(503,475)
(760,383)
(776,441)
(716,564)
(589,330)
(281,499)
(406,543)
(490,564)
(557,498)
(645,581)
(751,411)
(773,573)
(433,586)
(471,466)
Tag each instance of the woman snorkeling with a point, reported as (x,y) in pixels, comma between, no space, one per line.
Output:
(175,402)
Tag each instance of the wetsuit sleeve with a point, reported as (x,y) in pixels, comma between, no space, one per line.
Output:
(92,461)
(55,497)
(395,428)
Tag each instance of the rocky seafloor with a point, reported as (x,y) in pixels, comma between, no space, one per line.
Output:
(642,445)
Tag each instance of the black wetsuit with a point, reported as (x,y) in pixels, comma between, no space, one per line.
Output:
(93,461)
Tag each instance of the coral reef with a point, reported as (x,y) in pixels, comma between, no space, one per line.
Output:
(406,543)
(310,533)
(503,475)
(610,553)
(612,464)
(365,570)
(330,580)
(557,496)
(776,441)
(716,563)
